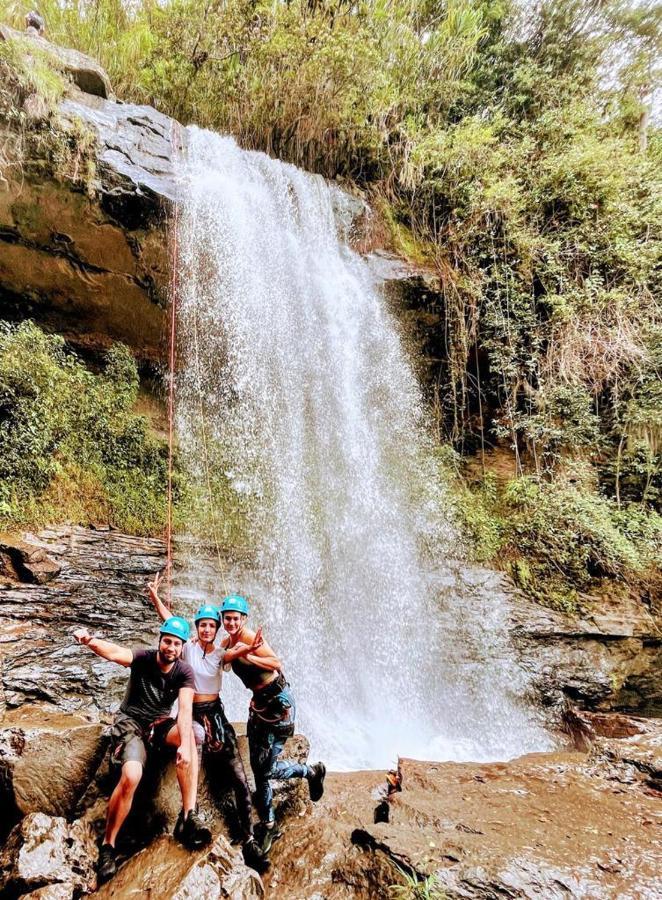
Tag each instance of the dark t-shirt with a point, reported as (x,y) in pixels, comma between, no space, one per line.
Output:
(150,692)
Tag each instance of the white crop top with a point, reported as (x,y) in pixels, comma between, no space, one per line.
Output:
(207,667)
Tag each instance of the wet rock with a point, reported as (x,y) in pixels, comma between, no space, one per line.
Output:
(607,658)
(165,869)
(46,765)
(638,754)
(545,825)
(101,586)
(586,727)
(46,850)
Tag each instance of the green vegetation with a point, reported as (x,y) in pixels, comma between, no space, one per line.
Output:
(511,147)
(31,86)
(70,446)
(557,538)
(417,887)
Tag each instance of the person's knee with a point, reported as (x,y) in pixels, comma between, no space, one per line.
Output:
(132,772)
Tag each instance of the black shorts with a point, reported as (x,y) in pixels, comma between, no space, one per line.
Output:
(132,742)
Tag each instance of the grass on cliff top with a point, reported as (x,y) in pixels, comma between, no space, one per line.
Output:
(32,84)
(23,75)
(559,540)
(71,446)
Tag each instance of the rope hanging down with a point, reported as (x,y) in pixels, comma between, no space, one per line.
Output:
(172,360)
(172,352)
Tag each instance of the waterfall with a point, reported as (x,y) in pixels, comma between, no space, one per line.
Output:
(298,408)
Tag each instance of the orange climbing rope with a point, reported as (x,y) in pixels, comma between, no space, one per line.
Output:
(172,354)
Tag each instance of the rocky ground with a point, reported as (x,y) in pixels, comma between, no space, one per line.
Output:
(546,825)
(580,823)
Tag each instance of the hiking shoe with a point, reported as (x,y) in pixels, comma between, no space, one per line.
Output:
(316,775)
(107,865)
(267,833)
(194,833)
(254,855)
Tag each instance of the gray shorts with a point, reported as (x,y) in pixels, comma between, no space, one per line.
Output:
(132,742)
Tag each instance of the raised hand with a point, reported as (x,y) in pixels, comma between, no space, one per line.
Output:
(82,636)
(258,640)
(153,588)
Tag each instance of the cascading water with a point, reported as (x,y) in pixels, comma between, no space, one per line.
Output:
(296,397)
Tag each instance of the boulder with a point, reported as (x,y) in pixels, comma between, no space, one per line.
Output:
(84,72)
(46,764)
(158,801)
(165,869)
(45,851)
(52,892)
(26,562)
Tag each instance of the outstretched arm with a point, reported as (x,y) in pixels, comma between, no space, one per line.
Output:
(153,593)
(106,649)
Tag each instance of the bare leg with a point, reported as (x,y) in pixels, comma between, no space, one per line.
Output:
(121,799)
(187,776)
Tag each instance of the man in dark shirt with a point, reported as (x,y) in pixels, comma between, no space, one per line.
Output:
(143,725)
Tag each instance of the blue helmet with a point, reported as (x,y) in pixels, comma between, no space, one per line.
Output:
(177,627)
(207,612)
(235,603)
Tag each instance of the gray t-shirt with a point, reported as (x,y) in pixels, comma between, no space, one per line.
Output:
(150,692)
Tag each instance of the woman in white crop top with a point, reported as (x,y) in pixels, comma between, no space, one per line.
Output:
(210,723)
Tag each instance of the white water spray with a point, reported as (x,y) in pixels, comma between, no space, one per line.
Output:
(294,382)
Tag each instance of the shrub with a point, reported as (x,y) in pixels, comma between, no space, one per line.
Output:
(562,539)
(70,445)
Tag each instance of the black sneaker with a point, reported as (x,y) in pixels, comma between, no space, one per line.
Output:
(316,775)
(107,866)
(254,855)
(195,833)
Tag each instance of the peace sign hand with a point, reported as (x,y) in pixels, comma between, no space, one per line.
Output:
(153,588)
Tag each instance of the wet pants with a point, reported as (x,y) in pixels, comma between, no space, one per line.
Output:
(223,755)
(266,740)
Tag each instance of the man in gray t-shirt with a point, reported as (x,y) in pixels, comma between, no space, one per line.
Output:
(143,727)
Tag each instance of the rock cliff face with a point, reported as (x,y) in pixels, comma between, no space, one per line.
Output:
(610,659)
(91,260)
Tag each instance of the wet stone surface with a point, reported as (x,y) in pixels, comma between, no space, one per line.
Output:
(101,587)
(555,825)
